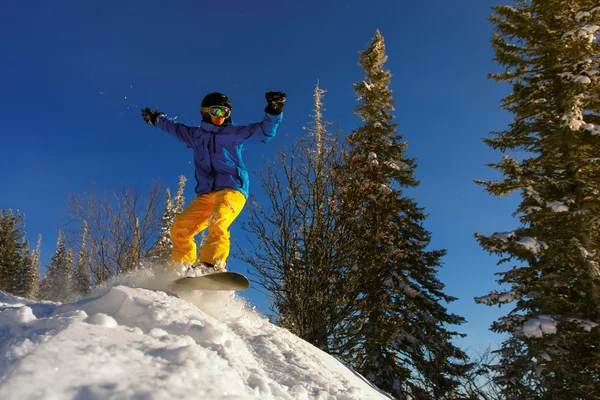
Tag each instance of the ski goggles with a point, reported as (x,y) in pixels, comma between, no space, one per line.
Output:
(217,111)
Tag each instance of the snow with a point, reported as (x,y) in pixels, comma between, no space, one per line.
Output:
(504,235)
(530,243)
(372,157)
(584,324)
(547,325)
(135,339)
(497,298)
(538,327)
(394,165)
(593,129)
(557,206)
(384,189)
(586,33)
(581,15)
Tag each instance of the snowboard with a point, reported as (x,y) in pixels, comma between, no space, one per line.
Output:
(216,281)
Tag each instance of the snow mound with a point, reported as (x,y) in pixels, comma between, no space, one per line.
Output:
(129,342)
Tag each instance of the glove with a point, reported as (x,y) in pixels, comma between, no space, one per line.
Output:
(275,102)
(151,116)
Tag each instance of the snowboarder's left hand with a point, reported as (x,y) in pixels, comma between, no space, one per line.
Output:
(275,102)
(151,116)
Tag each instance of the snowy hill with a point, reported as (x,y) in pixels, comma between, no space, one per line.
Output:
(133,340)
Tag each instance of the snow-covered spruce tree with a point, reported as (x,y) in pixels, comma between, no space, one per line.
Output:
(12,248)
(549,53)
(27,280)
(301,251)
(160,253)
(405,337)
(56,285)
(179,199)
(81,281)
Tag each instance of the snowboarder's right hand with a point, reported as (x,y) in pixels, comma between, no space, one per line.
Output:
(151,116)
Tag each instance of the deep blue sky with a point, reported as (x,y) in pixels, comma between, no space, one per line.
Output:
(75,74)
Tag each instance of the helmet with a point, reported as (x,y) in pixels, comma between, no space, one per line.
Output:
(214,99)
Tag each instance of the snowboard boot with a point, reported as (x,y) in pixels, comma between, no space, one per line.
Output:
(202,268)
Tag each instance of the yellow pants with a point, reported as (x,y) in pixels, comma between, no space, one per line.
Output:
(215,211)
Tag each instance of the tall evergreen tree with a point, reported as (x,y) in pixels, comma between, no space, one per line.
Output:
(179,199)
(12,248)
(161,251)
(26,281)
(549,52)
(56,285)
(301,258)
(81,282)
(404,329)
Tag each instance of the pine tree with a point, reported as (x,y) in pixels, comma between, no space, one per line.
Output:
(301,256)
(549,53)
(26,281)
(81,282)
(12,248)
(404,343)
(179,199)
(162,249)
(57,282)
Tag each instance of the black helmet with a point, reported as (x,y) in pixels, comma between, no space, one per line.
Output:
(214,99)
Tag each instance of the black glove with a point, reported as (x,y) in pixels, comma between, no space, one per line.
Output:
(275,102)
(151,116)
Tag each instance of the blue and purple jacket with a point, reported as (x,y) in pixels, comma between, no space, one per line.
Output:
(218,150)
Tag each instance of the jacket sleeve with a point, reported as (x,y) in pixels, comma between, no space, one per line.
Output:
(177,129)
(260,131)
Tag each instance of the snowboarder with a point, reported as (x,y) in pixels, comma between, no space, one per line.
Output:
(222,178)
